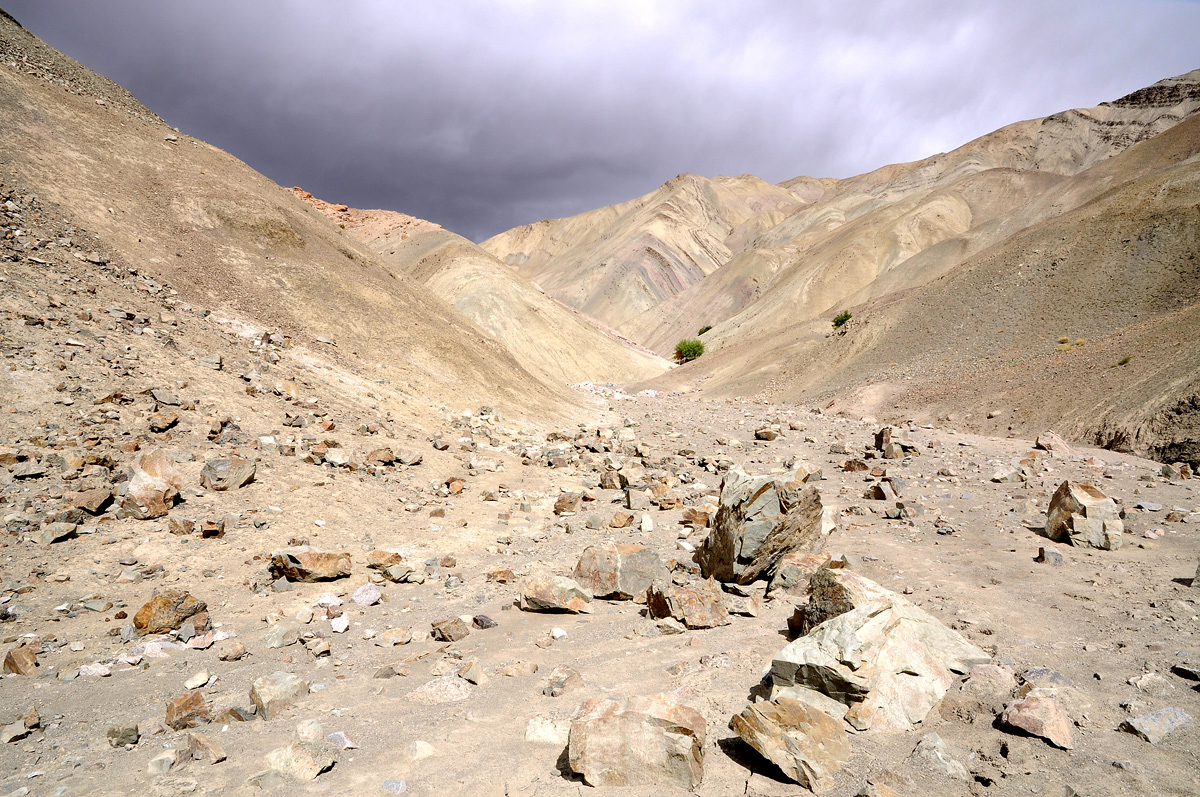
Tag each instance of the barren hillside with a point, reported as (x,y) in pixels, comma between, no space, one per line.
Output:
(233,242)
(616,263)
(550,339)
(875,243)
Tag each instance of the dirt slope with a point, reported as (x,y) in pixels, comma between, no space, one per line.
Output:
(618,262)
(1117,278)
(232,241)
(872,244)
(550,339)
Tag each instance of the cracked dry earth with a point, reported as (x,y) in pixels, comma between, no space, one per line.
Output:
(103,367)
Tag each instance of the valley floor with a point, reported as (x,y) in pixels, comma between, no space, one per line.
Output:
(1104,619)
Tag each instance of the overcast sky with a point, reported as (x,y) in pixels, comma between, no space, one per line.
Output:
(485,115)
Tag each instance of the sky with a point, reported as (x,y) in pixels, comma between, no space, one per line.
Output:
(485,115)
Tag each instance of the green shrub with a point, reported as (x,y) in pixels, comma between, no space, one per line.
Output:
(841,318)
(704,329)
(688,349)
(1124,361)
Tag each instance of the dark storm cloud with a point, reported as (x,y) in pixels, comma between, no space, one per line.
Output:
(484,115)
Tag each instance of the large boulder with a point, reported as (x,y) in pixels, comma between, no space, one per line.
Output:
(308,564)
(884,658)
(226,474)
(699,606)
(806,744)
(795,570)
(166,611)
(21,660)
(620,572)
(541,591)
(153,488)
(272,693)
(647,740)
(188,711)
(1053,442)
(1040,716)
(1081,514)
(761,519)
(832,592)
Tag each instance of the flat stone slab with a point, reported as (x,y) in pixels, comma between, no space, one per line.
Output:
(1157,725)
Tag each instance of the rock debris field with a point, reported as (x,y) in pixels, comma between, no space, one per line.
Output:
(230,565)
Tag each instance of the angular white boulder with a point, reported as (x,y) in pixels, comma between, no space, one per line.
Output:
(887,660)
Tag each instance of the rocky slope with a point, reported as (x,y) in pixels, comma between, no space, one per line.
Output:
(617,263)
(905,243)
(228,239)
(550,339)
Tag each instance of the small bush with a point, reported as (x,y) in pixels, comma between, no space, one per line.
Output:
(1064,340)
(704,329)
(841,318)
(1124,361)
(688,349)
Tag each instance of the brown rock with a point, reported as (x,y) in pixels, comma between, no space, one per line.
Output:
(308,564)
(411,458)
(275,692)
(695,607)
(887,660)
(153,488)
(1043,717)
(166,611)
(21,660)
(202,747)
(450,630)
(760,520)
(748,605)
(807,745)
(542,591)
(162,421)
(640,741)
(619,572)
(1082,515)
(93,501)
(567,502)
(501,575)
(302,761)
(394,636)
(444,689)
(981,696)
(188,711)
(1051,441)
(620,520)
(562,680)
(390,564)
